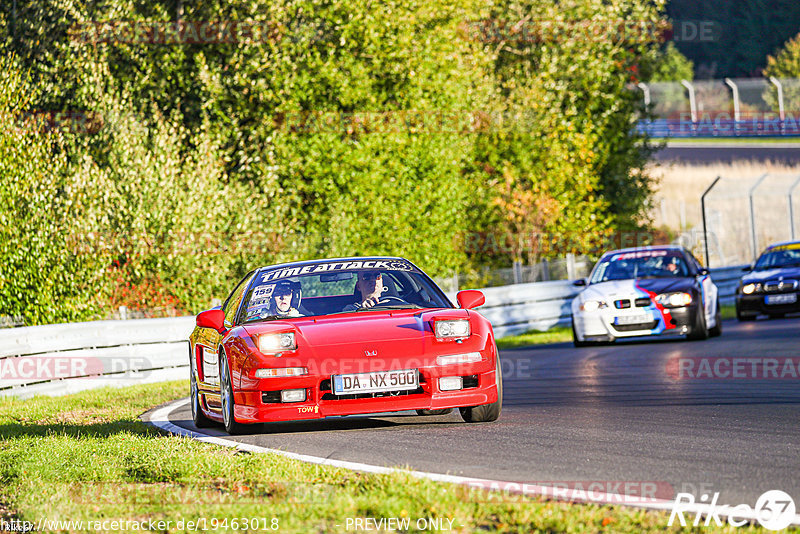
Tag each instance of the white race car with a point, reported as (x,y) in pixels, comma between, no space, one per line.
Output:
(646,291)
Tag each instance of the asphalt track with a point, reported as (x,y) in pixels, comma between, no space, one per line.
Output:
(601,414)
(707,153)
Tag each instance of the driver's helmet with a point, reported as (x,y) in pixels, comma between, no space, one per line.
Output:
(287,287)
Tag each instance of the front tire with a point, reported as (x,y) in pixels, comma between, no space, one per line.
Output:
(487,412)
(198,417)
(226,395)
(716,330)
(700,328)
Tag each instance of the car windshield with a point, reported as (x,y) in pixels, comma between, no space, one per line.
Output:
(640,264)
(785,256)
(331,287)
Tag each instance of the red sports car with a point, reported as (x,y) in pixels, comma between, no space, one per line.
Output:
(313,339)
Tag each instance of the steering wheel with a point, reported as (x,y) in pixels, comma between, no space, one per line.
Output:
(389,299)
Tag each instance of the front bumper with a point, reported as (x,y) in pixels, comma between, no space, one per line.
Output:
(601,325)
(258,405)
(755,304)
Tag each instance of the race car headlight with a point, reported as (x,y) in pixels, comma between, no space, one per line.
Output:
(674,300)
(282,372)
(593,305)
(470,357)
(268,343)
(749,289)
(452,328)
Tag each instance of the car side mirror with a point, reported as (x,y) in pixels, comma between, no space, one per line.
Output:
(703,271)
(747,268)
(580,282)
(214,319)
(470,298)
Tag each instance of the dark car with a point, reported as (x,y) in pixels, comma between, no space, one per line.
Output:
(771,285)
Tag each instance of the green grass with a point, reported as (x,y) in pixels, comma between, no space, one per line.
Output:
(88,457)
(558,334)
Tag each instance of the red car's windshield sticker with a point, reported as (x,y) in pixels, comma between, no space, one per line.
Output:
(639,254)
(261,295)
(387,265)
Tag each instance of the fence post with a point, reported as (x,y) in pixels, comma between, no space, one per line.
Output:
(123,313)
(571,271)
(646,91)
(791,206)
(753,217)
(781,111)
(545,271)
(737,116)
(692,100)
(517,271)
(455,281)
(703,209)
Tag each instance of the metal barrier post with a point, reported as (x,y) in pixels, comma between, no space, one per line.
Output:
(703,209)
(791,206)
(753,217)
(781,110)
(646,91)
(737,116)
(692,101)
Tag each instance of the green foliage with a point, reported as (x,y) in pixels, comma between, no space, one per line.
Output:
(786,63)
(673,66)
(349,128)
(42,207)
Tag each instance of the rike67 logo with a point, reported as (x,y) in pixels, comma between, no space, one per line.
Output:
(774,510)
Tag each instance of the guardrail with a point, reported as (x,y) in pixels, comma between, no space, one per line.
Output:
(66,358)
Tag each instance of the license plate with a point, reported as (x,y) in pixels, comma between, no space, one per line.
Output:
(788,298)
(632,319)
(399,380)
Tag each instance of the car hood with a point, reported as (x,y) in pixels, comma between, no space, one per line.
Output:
(770,274)
(381,334)
(636,286)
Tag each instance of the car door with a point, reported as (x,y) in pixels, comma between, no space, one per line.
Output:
(212,339)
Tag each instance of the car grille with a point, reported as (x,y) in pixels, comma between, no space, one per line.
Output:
(643,302)
(331,396)
(622,304)
(270,397)
(777,286)
(638,326)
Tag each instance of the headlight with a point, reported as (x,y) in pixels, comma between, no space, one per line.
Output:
(748,289)
(674,300)
(276,342)
(593,305)
(281,372)
(452,328)
(470,357)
